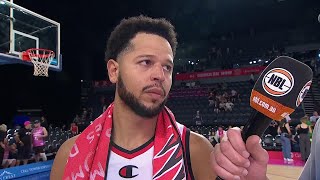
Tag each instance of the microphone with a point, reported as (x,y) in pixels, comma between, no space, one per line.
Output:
(278,91)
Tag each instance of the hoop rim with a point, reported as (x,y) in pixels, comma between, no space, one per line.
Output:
(45,55)
(41,49)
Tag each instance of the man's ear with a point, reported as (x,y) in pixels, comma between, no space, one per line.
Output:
(113,70)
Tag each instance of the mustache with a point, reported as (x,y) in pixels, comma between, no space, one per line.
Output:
(155,85)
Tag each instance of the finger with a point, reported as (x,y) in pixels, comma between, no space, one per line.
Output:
(221,172)
(221,160)
(256,151)
(235,138)
(228,150)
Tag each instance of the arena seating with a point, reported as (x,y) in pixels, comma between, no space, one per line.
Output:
(184,102)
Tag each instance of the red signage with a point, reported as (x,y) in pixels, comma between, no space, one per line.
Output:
(220,73)
(277,155)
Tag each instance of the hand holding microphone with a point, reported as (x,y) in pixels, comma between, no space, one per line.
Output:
(278,91)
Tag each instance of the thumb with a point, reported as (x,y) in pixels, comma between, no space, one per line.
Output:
(256,151)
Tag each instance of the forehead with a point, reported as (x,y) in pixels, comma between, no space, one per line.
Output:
(150,44)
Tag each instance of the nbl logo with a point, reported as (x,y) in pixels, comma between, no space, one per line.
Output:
(278,82)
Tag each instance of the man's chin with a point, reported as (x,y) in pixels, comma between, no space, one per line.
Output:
(153,104)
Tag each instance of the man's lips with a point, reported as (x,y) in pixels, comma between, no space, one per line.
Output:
(156,91)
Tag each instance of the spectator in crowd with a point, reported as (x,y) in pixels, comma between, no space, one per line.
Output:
(222,106)
(3,134)
(76,119)
(216,106)
(314,118)
(84,116)
(220,133)
(218,97)
(38,141)
(233,95)
(44,122)
(303,130)
(23,139)
(198,118)
(10,153)
(64,127)
(211,99)
(251,79)
(83,119)
(74,129)
(272,129)
(239,97)
(286,136)
(225,95)
(228,106)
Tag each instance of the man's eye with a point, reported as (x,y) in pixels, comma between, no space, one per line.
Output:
(167,67)
(145,62)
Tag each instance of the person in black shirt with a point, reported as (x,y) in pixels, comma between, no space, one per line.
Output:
(44,122)
(23,139)
(303,131)
(198,118)
(286,136)
(3,134)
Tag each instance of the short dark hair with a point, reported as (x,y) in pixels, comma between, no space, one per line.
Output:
(128,28)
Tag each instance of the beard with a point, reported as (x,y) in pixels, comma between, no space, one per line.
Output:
(135,105)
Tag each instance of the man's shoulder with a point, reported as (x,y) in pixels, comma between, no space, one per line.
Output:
(199,143)
(67,145)
(200,150)
(61,158)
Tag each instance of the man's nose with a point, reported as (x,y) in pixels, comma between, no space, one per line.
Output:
(158,73)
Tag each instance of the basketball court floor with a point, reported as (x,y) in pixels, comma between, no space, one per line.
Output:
(283,172)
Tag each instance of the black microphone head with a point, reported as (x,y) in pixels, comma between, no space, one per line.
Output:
(281,87)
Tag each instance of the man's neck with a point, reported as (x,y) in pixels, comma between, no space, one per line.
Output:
(130,130)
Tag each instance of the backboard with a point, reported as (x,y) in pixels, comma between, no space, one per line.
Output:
(22,29)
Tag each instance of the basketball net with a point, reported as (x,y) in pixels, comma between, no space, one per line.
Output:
(41,59)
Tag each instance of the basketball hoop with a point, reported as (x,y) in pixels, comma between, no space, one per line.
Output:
(41,59)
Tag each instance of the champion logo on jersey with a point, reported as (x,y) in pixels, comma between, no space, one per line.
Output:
(129,171)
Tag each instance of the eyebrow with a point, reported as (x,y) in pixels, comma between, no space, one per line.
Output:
(152,56)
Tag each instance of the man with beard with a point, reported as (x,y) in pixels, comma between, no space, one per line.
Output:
(137,137)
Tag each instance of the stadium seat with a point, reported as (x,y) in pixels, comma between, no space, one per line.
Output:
(277,141)
(268,142)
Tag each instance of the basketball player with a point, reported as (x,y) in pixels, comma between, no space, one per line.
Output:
(137,137)
(38,135)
